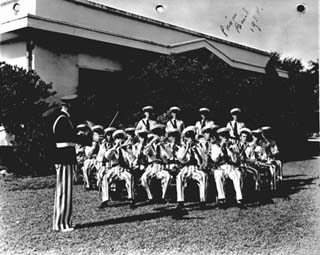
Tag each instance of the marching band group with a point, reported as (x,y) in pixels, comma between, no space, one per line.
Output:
(173,153)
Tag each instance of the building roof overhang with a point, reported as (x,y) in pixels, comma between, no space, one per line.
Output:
(237,56)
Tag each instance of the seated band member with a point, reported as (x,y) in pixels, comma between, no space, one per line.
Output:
(225,167)
(273,151)
(146,122)
(140,162)
(246,155)
(204,121)
(85,131)
(174,123)
(158,155)
(262,160)
(120,158)
(191,156)
(235,124)
(173,144)
(206,142)
(105,145)
(90,164)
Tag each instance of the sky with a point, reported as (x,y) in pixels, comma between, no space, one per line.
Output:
(270,25)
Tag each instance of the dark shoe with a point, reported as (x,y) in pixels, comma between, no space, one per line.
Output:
(103,205)
(221,204)
(202,205)
(133,204)
(241,205)
(163,201)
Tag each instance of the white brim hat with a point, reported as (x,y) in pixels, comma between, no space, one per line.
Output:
(109,130)
(147,108)
(97,128)
(223,130)
(204,109)
(245,130)
(235,110)
(175,108)
(189,129)
(119,133)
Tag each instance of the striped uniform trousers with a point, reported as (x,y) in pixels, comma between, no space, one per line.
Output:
(113,174)
(191,172)
(157,171)
(62,214)
(231,172)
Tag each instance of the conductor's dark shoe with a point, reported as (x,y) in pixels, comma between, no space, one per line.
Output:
(202,205)
(103,205)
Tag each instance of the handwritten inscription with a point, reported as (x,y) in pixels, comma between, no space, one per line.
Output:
(238,21)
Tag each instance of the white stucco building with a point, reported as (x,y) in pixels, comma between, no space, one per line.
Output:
(59,38)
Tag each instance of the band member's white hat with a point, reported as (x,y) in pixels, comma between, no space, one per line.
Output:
(147,108)
(175,108)
(130,130)
(265,128)
(256,131)
(189,129)
(223,130)
(109,130)
(119,134)
(204,109)
(245,130)
(97,128)
(235,110)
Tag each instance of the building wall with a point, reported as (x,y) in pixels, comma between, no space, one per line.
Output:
(61,68)
(14,53)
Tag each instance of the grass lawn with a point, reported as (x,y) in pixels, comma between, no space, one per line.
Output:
(289,224)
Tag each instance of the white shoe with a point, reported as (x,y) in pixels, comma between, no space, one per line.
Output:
(67,229)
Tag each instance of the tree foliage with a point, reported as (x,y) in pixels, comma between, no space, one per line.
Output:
(22,102)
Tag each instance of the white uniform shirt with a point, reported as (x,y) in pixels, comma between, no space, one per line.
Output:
(201,124)
(175,124)
(145,124)
(234,127)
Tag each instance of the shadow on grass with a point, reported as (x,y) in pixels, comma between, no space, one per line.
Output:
(133,218)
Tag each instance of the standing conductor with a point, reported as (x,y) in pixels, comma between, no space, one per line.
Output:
(64,135)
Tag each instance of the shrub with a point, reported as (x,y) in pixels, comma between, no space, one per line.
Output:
(22,102)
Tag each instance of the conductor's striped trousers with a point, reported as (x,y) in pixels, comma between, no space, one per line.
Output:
(63,197)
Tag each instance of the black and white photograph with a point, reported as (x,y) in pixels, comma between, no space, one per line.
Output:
(159,127)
